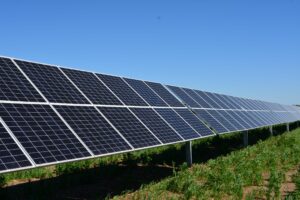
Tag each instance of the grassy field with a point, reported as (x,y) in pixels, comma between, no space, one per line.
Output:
(257,172)
(161,172)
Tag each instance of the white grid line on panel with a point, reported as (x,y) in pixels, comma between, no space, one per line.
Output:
(17,142)
(99,110)
(53,108)
(154,111)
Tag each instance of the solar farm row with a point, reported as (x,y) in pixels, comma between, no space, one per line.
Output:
(50,114)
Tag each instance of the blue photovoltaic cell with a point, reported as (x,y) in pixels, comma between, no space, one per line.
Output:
(94,89)
(232,101)
(14,85)
(146,92)
(165,94)
(197,98)
(246,116)
(52,83)
(204,96)
(232,119)
(122,90)
(194,122)
(184,97)
(93,129)
(129,126)
(42,133)
(205,116)
(244,122)
(218,100)
(156,124)
(178,124)
(225,122)
(11,156)
(251,115)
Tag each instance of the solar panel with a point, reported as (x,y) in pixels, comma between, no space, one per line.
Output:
(197,98)
(253,116)
(205,96)
(93,129)
(146,92)
(41,132)
(122,90)
(249,119)
(244,122)
(164,94)
(94,89)
(216,98)
(265,117)
(157,125)
(54,117)
(14,85)
(232,101)
(215,124)
(178,124)
(130,127)
(11,156)
(225,100)
(232,119)
(52,83)
(184,97)
(194,122)
(226,123)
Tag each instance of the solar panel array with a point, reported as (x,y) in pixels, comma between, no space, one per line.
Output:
(227,113)
(50,114)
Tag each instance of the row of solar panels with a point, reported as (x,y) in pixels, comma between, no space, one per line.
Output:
(51,115)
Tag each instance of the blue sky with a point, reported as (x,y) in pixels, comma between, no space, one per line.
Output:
(242,48)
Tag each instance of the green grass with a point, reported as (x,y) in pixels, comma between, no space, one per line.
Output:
(227,176)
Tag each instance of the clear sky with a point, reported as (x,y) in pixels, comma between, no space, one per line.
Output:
(247,48)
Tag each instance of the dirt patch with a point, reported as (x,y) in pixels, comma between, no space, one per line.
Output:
(286,188)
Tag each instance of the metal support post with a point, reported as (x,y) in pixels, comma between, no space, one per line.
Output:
(271,130)
(288,127)
(189,153)
(245,138)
